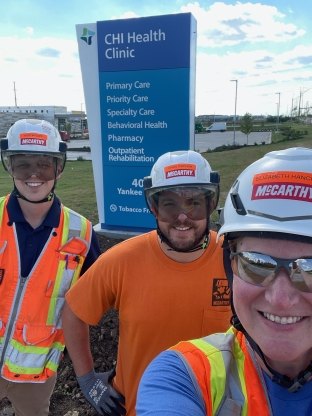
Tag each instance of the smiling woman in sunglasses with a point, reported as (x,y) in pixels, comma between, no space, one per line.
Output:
(263,364)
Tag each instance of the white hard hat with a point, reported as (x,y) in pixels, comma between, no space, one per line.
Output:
(31,136)
(273,194)
(185,168)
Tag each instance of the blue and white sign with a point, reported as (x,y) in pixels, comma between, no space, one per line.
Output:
(139,84)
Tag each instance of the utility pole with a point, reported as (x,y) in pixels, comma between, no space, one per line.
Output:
(299,106)
(301,100)
(278,110)
(234,127)
(15,94)
(81,122)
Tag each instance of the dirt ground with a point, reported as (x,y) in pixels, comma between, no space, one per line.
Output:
(67,399)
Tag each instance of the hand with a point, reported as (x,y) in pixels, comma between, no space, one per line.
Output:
(97,389)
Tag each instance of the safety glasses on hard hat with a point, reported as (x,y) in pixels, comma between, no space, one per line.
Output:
(25,166)
(261,269)
(189,202)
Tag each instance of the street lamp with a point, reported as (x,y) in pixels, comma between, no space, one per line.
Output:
(301,99)
(234,127)
(81,122)
(278,110)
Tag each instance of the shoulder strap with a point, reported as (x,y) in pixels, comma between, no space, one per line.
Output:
(3,201)
(233,399)
(76,226)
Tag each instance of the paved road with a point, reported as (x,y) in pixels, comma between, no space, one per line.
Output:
(203,142)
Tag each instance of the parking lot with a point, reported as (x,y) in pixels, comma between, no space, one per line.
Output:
(206,141)
(203,142)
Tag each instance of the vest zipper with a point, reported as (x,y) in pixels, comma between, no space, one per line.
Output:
(13,314)
(16,301)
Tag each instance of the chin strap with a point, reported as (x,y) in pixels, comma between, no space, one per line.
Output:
(49,197)
(200,246)
(291,384)
(302,378)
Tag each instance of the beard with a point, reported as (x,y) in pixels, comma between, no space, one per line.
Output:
(182,244)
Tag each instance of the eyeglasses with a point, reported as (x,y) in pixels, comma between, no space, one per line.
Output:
(170,206)
(261,269)
(24,166)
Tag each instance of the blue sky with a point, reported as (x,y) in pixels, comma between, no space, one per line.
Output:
(266,46)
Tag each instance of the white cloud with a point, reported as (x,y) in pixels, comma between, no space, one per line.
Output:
(46,71)
(260,75)
(251,42)
(230,24)
(127,15)
(29,30)
(255,44)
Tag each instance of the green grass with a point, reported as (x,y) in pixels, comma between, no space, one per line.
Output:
(76,187)
(231,162)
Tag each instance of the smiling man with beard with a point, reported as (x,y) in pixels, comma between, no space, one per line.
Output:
(167,285)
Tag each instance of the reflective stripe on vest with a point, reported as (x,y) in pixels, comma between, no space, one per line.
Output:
(31,338)
(30,355)
(3,245)
(226,374)
(77,234)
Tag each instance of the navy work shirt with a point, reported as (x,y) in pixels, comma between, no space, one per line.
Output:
(31,241)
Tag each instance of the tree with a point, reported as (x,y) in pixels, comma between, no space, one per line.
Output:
(246,124)
(68,127)
(199,128)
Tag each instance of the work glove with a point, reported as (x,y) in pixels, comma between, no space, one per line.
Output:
(97,389)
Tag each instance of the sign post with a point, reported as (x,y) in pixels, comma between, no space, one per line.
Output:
(139,85)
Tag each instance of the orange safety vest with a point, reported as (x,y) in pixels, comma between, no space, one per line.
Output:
(31,335)
(228,377)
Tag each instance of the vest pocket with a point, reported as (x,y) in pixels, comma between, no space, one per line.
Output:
(36,334)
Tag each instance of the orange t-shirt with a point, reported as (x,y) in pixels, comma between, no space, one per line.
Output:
(160,302)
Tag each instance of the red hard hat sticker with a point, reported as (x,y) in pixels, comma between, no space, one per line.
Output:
(33,138)
(180,169)
(282,185)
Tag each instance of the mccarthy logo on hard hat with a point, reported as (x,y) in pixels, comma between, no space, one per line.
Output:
(282,185)
(180,169)
(34,138)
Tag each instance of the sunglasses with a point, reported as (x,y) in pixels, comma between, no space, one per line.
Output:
(261,269)
(23,167)
(170,207)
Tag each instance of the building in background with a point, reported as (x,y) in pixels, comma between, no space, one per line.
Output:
(74,123)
